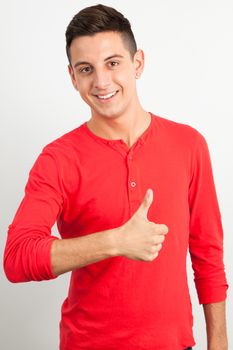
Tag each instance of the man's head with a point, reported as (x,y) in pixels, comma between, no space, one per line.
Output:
(96,19)
(104,61)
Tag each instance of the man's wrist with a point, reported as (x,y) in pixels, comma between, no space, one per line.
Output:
(114,236)
(218,343)
(218,347)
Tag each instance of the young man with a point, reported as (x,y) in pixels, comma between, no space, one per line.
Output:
(116,185)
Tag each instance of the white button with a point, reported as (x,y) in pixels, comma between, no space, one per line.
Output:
(133,184)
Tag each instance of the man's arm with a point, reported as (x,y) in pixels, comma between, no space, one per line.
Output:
(137,239)
(215,317)
(74,253)
(206,246)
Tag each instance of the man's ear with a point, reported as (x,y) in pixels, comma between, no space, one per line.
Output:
(138,63)
(72,76)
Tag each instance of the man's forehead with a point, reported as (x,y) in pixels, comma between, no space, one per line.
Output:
(101,45)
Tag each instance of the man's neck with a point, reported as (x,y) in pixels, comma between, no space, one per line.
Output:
(128,129)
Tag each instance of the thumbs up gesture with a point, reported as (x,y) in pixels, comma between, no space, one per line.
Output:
(139,238)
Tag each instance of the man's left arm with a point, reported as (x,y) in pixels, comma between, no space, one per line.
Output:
(206,246)
(216,330)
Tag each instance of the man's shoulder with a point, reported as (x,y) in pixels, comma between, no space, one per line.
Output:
(177,130)
(65,143)
(175,126)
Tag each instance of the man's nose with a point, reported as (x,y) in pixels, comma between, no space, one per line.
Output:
(102,79)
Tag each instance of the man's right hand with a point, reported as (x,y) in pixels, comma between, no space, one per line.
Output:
(139,238)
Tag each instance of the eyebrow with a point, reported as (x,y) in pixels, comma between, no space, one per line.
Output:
(79,63)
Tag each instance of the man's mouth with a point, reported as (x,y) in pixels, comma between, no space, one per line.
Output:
(107,96)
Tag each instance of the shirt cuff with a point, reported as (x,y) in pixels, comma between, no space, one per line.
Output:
(208,293)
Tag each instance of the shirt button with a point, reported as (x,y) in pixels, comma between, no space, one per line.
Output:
(133,184)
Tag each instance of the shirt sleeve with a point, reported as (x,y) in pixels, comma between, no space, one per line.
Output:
(206,232)
(29,240)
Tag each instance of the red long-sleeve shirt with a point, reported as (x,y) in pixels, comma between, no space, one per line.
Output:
(88,184)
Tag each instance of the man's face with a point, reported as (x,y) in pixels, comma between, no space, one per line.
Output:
(104,73)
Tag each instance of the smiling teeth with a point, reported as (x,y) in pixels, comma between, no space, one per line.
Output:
(106,96)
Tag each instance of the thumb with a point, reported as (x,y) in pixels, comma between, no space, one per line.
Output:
(146,203)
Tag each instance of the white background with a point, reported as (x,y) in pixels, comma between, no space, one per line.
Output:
(188,78)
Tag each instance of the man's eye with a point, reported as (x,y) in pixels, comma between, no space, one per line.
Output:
(85,70)
(113,63)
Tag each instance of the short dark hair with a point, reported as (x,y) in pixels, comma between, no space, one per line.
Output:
(97,19)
